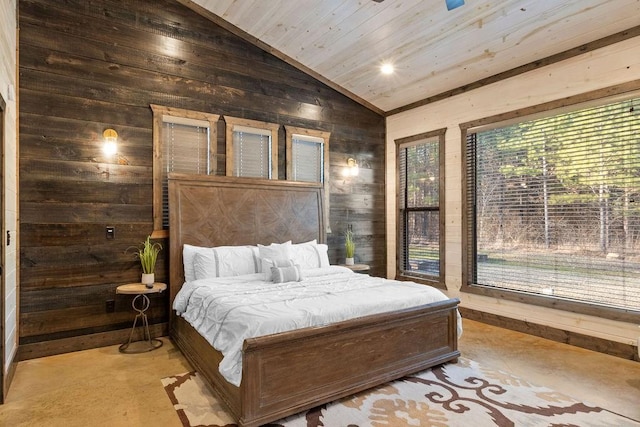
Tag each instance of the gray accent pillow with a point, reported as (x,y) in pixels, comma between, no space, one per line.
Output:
(286,274)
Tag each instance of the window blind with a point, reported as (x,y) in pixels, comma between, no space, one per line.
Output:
(252,152)
(186,149)
(308,158)
(554,206)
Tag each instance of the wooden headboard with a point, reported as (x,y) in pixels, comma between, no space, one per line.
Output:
(218,210)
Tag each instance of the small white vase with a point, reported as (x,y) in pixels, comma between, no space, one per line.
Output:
(148,279)
(349,261)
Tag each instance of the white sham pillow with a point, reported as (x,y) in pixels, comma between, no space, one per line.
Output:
(276,251)
(225,261)
(310,255)
(276,255)
(188,255)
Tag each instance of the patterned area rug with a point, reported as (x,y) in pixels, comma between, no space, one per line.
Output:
(462,394)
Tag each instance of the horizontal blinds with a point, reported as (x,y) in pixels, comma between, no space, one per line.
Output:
(308,158)
(185,150)
(252,152)
(253,131)
(402,204)
(185,121)
(471,204)
(555,208)
(308,138)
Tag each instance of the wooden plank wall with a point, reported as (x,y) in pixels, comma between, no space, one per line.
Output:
(88,65)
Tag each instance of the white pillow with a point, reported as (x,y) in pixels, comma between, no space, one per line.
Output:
(276,251)
(278,254)
(310,255)
(225,261)
(188,255)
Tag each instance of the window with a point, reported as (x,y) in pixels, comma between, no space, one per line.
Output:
(553,206)
(252,148)
(307,153)
(184,142)
(307,159)
(420,204)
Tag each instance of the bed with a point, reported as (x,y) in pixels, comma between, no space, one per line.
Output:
(287,372)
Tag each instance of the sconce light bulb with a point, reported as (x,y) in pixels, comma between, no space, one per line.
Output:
(352,168)
(110,146)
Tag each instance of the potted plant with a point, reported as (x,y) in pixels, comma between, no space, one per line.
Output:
(349,246)
(147,253)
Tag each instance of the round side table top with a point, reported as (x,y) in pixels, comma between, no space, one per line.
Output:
(139,288)
(357,267)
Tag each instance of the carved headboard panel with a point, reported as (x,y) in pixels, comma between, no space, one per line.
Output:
(219,210)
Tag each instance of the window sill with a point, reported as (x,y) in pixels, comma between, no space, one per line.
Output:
(555,303)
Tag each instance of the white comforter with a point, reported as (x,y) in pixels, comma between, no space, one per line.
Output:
(228,310)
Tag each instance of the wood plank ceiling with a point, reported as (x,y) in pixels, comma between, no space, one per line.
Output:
(433,50)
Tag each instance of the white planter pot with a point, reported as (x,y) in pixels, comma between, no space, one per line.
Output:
(349,261)
(148,279)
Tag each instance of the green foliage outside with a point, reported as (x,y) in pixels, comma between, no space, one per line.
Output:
(571,179)
(557,203)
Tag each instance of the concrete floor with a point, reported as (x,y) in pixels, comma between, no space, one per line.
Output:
(102,387)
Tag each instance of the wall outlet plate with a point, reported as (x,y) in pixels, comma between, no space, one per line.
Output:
(110,232)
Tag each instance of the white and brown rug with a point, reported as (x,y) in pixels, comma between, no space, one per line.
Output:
(462,394)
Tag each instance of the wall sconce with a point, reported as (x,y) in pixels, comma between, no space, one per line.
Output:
(110,146)
(352,168)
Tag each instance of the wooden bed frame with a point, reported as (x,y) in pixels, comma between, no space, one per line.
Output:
(286,373)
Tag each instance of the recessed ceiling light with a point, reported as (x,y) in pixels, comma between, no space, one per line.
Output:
(387,68)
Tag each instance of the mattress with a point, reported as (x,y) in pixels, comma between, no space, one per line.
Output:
(228,310)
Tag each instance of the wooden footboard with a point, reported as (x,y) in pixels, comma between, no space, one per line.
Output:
(205,359)
(292,371)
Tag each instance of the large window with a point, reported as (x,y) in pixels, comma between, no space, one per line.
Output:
(554,206)
(184,142)
(420,203)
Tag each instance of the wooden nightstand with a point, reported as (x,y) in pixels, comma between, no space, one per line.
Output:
(140,291)
(359,268)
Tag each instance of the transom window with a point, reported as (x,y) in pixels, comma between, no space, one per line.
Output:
(252,148)
(420,202)
(307,158)
(184,141)
(307,154)
(554,206)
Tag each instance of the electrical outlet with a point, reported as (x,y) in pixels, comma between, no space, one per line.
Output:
(110,306)
(110,233)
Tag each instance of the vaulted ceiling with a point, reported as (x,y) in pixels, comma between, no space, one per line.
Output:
(344,42)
